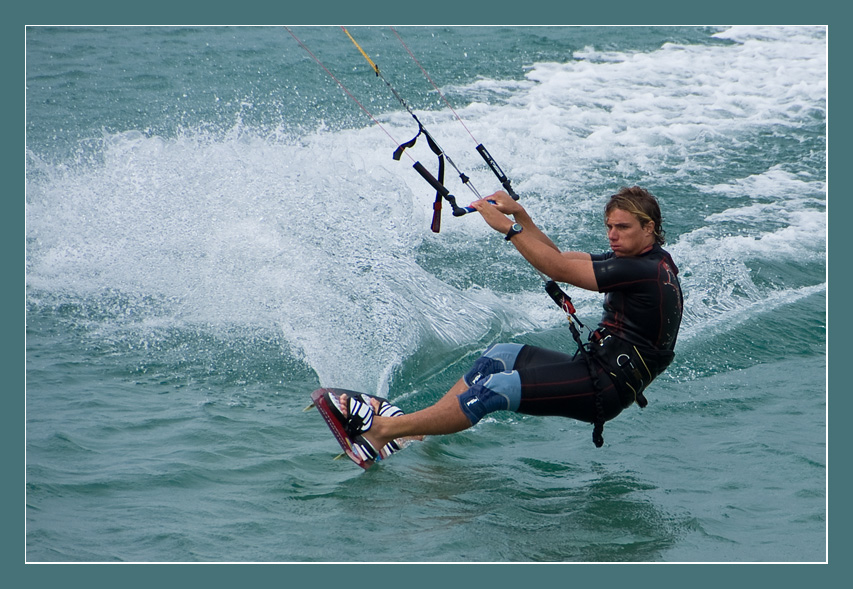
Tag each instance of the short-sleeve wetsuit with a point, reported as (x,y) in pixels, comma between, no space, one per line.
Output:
(642,315)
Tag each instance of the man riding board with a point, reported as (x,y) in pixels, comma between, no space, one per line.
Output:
(632,345)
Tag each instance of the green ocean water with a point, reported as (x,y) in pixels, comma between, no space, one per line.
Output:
(214,229)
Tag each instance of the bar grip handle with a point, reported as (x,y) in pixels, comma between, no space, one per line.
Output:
(497,170)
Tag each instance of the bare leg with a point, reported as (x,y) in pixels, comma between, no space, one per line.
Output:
(445,417)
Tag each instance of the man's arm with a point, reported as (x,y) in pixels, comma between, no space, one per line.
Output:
(571,267)
(504,203)
(574,268)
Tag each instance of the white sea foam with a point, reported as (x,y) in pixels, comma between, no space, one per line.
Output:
(317,238)
(636,114)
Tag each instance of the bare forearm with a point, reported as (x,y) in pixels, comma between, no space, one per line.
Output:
(571,267)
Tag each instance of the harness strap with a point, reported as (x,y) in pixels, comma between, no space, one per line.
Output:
(639,398)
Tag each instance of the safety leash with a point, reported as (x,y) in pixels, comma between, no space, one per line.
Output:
(565,303)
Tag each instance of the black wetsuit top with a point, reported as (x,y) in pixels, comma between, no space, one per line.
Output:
(643,301)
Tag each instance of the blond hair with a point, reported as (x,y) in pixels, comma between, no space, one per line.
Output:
(640,203)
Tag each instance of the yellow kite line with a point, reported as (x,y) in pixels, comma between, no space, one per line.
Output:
(370,61)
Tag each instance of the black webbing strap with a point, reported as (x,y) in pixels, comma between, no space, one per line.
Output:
(410,143)
(598,424)
(435,226)
(436,207)
(565,303)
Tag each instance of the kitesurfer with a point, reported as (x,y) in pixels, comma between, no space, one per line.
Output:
(632,344)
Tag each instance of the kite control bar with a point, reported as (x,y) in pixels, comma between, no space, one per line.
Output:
(442,190)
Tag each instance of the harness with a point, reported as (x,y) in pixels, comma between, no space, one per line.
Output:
(624,363)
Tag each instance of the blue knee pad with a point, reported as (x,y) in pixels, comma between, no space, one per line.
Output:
(497,358)
(482,368)
(497,392)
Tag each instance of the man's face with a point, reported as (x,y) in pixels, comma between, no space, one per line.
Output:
(627,237)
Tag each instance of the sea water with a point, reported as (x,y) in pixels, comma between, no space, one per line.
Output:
(214,228)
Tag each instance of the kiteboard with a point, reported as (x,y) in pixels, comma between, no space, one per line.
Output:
(319,400)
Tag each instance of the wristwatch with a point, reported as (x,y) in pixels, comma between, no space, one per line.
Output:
(514,230)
